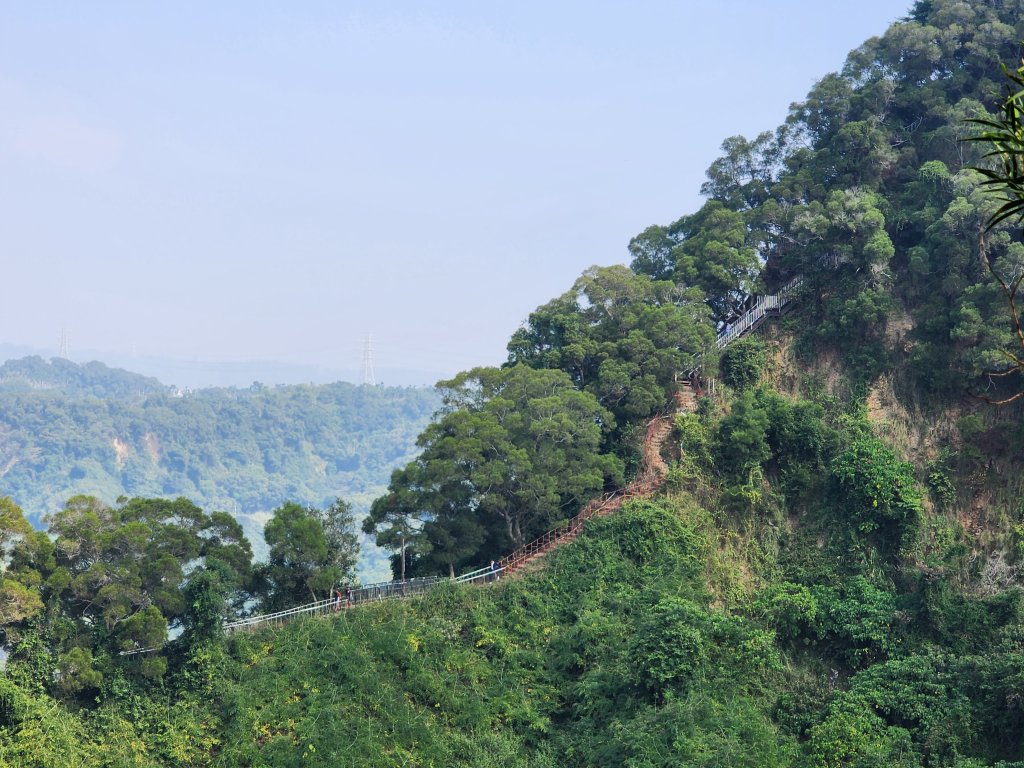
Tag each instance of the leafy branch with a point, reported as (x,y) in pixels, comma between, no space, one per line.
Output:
(1005,135)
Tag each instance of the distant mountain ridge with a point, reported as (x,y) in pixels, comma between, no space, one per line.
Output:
(67,429)
(203,374)
(94,378)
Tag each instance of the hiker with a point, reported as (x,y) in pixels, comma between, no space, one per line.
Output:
(337,599)
(494,571)
(348,596)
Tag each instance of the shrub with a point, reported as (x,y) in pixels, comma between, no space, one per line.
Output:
(876,487)
(743,362)
(742,436)
(791,609)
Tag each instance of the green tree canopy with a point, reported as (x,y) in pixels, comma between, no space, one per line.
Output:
(302,566)
(19,598)
(118,573)
(619,336)
(339,523)
(515,450)
(711,250)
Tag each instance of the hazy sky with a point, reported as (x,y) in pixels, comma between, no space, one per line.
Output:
(237,181)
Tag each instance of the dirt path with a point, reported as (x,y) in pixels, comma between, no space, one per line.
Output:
(647,481)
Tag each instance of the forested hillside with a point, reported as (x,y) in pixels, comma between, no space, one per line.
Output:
(867,193)
(830,575)
(34,374)
(69,429)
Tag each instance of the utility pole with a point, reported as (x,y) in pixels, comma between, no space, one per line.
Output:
(402,569)
(368,374)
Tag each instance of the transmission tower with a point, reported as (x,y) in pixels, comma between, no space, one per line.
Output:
(64,350)
(368,375)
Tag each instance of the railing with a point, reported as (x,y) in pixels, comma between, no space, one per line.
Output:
(642,486)
(645,484)
(139,650)
(398,589)
(371,593)
(764,306)
(487,573)
(569,530)
(320,606)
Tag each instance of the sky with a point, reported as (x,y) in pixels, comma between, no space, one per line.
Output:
(257,181)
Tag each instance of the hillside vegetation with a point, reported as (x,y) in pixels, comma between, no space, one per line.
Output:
(867,193)
(830,576)
(68,429)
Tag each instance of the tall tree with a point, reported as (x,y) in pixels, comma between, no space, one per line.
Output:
(742,177)
(712,250)
(396,519)
(300,565)
(119,573)
(516,450)
(620,336)
(339,524)
(19,592)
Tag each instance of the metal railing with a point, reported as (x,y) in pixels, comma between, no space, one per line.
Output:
(136,651)
(371,593)
(411,587)
(569,530)
(764,306)
(354,596)
(643,485)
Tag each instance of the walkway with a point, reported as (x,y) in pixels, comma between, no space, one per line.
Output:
(648,480)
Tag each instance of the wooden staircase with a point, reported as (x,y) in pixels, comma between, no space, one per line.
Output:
(648,480)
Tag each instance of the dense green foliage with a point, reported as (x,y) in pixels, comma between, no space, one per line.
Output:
(868,193)
(311,552)
(112,580)
(33,374)
(619,335)
(107,582)
(628,649)
(743,362)
(92,430)
(515,451)
(536,672)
